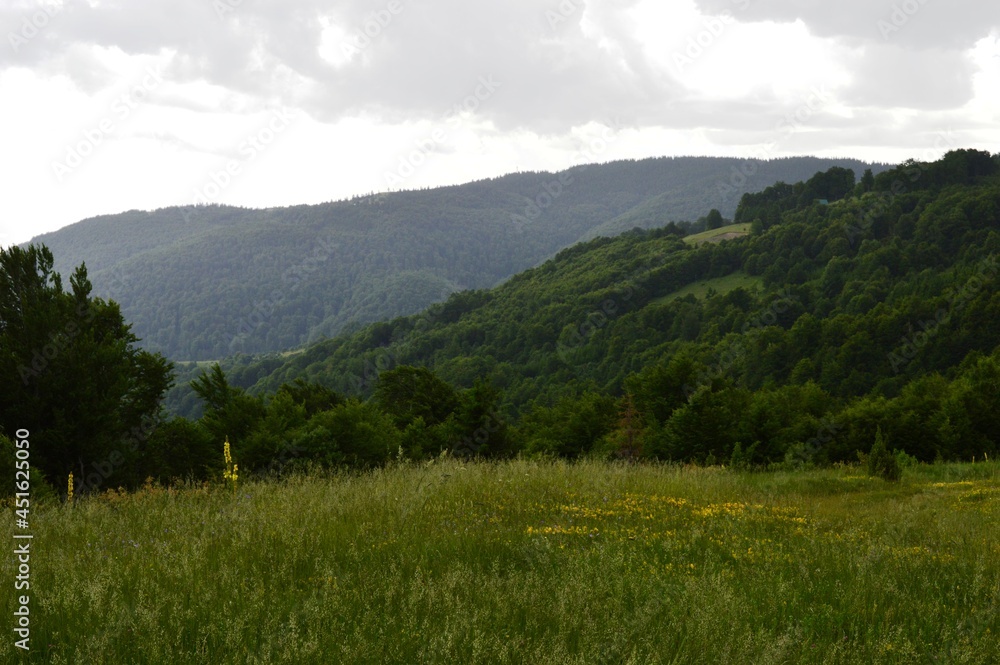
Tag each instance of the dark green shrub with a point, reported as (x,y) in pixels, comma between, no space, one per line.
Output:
(882,462)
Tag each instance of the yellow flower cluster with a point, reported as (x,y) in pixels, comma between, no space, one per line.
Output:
(722,510)
(69,488)
(979,496)
(692,536)
(231,474)
(553,530)
(584,511)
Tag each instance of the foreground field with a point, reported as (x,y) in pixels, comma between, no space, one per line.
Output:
(525,562)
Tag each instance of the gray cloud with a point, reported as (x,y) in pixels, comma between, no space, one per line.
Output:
(890,76)
(908,53)
(922,24)
(545,68)
(550,75)
(425,59)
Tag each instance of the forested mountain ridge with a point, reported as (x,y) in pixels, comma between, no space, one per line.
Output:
(206,282)
(834,316)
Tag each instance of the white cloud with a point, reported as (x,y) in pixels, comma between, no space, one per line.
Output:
(372,82)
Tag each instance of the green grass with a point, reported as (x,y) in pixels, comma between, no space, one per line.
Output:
(525,562)
(721,285)
(710,235)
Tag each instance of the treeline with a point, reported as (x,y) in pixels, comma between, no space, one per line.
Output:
(667,412)
(958,167)
(412,414)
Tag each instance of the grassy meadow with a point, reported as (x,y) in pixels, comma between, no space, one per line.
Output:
(524,562)
(721,285)
(712,235)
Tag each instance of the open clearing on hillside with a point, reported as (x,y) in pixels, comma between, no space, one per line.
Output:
(721,285)
(719,234)
(524,562)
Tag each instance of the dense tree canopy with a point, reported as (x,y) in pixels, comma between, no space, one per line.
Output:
(73,375)
(794,343)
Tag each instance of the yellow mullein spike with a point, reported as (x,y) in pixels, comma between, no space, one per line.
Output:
(69,488)
(231,472)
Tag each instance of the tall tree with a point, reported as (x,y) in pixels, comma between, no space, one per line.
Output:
(867,181)
(72,373)
(229,412)
(714,220)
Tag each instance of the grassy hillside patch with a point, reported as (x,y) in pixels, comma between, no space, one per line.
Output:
(721,285)
(716,235)
(525,562)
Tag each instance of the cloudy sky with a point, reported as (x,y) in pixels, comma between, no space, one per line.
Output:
(110,105)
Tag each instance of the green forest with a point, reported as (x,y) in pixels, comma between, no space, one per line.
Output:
(203,283)
(838,311)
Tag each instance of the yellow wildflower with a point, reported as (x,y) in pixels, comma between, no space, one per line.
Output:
(231,474)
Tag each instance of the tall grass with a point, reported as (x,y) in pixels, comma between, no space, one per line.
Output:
(524,562)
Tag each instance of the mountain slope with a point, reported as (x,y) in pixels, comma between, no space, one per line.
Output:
(867,308)
(207,282)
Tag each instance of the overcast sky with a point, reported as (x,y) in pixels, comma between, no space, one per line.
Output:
(110,105)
